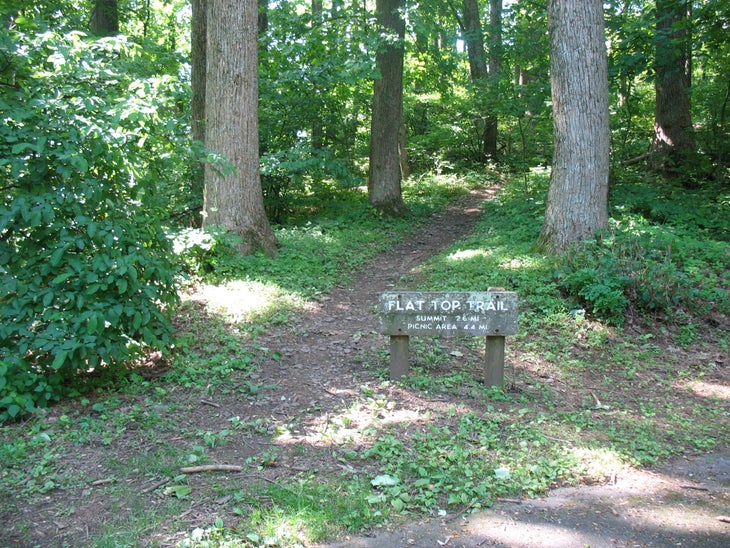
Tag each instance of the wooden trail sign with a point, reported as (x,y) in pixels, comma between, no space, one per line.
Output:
(492,314)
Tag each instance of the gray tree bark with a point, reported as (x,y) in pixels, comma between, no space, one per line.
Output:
(384,181)
(674,144)
(104,18)
(197,80)
(233,197)
(197,68)
(577,204)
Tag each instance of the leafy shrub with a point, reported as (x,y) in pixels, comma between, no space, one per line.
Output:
(646,269)
(86,270)
(705,208)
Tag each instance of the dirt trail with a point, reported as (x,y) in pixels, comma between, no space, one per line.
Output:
(342,325)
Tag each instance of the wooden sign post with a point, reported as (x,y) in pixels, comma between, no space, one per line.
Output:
(492,314)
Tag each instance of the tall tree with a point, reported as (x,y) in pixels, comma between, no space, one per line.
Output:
(474,38)
(197,83)
(577,203)
(495,72)
(674,140)
(384,182)
(104,18)
(233,197)
(198,39)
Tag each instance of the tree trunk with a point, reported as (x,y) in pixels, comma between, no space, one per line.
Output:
(104,18)
(197,68)
(317,127)
(577,204)
(233,197)
(263,18)
(197,81)
(674,141)
(495,72)
(384,182)
(474,39)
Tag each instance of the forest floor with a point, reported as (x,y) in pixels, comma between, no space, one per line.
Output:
(315,365)
(676,504)
(683,503)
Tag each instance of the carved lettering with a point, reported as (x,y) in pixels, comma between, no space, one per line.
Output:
(449,313)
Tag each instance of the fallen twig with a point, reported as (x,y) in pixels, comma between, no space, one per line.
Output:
(512,501)
(211,403)
(696,488)
(211,468)
(155,486)
(102,482)
(724,519)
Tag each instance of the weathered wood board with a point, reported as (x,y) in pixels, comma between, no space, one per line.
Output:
(428,314)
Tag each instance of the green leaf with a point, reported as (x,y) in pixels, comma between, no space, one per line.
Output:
(80,163)
(179,491)
(93,323)
(385,480)
(397,504)
(21,147)
(122,286)
(61,278)
(59,360)
(57,256)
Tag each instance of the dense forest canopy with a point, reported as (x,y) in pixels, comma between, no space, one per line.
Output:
(98,164)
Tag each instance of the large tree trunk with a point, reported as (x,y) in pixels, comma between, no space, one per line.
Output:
(674,141)
(234,199)
(577,203)
(495,72)
(197,68)
(104,18)
(474,38)
(197,81)
(384,182)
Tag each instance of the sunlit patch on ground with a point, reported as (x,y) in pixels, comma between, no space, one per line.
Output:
(710,390)
(598,464)
(241,300)
(468,254)
(353,424)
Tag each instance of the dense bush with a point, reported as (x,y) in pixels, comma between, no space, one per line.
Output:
(86,269)
(647,269)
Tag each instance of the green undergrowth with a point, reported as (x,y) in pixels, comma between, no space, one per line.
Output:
(591,387)
(324,243)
